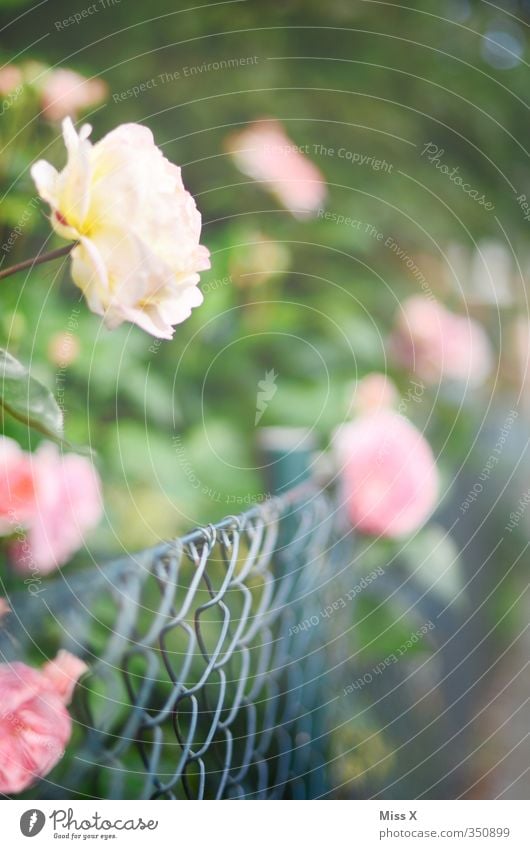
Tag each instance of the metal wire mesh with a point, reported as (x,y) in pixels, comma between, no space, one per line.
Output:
(197,688)
(209,678)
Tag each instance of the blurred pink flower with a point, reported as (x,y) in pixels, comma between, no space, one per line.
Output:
(437,344)
(11,78)
(389,476)
(257,258)
(64,348)
(63,673)
(65,92)
(137,229)
(34,723)
(68,504)
(374,392)
(4,607)
(17,489)
(265,153)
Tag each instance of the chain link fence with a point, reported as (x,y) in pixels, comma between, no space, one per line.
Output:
(197,688)
(232,663)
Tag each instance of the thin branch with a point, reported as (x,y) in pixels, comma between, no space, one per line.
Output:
(37,260)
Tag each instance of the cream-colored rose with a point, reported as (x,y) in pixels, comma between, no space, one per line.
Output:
(138,228)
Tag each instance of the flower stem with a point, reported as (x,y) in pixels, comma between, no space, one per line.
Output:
(37,260)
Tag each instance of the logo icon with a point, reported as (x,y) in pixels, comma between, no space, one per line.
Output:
(32,822)
(266,392)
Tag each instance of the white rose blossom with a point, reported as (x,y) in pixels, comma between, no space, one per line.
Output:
(137,228)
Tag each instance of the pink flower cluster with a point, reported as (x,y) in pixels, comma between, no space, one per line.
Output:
(49,501)
(437,344)
(264,152)
(389,479)
(35,725)
(374,392)
(66,93)
(11,78)
(62,92)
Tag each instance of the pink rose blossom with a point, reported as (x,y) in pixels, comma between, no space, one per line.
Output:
(437,344)
(34,723)
(66,92)
(64,348)
(63,673)
(374,392)
(389,476)
(68,504)
(17,489)
(10,79)
(49,501)
(265,153)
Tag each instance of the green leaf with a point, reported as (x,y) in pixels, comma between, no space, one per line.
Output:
(28,400)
